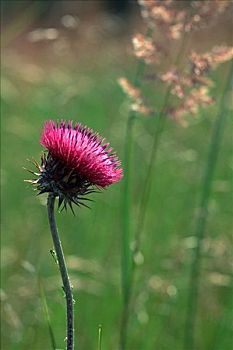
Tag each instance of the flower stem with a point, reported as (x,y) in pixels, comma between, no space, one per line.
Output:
(194,282)
(64,274)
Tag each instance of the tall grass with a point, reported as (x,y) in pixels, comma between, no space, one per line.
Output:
(128,261)
(126,256)
(46,312)
(201,219)
(159,128)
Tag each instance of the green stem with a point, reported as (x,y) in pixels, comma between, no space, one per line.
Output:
(126,258)
(147,185)
(64,273)
(162,118)
(216,137)
(128,265)
(157,134)
(100,337)
(46,311)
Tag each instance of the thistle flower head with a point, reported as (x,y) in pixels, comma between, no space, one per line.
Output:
(78,160)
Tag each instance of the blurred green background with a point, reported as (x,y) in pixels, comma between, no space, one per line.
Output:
(64,62)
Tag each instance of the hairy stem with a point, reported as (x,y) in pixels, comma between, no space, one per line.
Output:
(64,274)
(208,172)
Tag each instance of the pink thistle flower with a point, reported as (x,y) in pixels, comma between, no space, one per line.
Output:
(78,160)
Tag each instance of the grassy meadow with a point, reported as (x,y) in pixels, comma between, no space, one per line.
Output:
(37,85)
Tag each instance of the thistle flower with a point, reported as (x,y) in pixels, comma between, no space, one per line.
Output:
(77,162)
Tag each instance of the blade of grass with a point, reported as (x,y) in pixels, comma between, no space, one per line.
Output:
(46,312)
(100,331)
(200,224)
